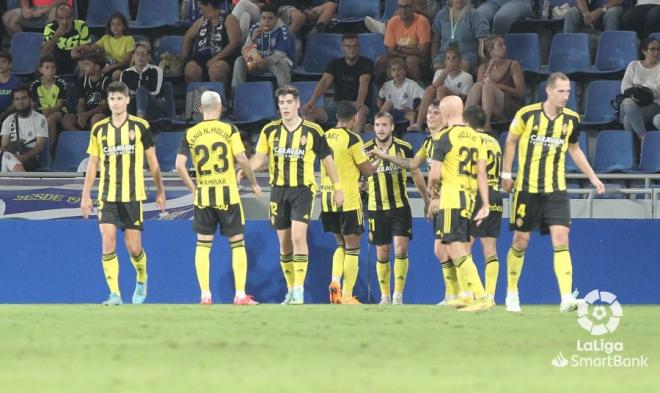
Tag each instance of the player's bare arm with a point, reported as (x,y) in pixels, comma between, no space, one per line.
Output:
(507,161)
(433,183)
(338,194)
(182,170)
(246,168)
(154,168)
(482,184)
(90,177)
(404,162)
(581,161)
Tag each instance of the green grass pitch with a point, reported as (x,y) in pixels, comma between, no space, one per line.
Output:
(316,348)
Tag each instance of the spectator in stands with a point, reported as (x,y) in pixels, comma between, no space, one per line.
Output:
(63,38)
(48,97)
(458,24)
(407,36)
(8,160)
(296,13)
(212,44)
(31,15)
(346,73)
(269,48)
(400,95)
(587,14)
(150,98)
(502,14)
(449,80)
(500,87)
(645,72)
(117,45)
(644,18)
(8,82)
(91,92)
(424,7)
(247,12)
(26,127)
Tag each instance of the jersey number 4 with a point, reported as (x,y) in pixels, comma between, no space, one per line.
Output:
(218,153)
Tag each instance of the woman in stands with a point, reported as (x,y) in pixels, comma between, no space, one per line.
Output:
(211,44)
(645,72)
(500,87)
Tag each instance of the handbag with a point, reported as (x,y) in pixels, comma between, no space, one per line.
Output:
(642,96)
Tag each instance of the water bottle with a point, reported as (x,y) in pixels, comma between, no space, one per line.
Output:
(545,10)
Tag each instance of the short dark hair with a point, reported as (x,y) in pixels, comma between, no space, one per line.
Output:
(121,17)
(644,45)
(213,3)
(20,88)
(554,77)
(96,58)
(345,110)
(64,5)
(6,55)
(118,87)
(47,59)
(288,89)
(349,36)
(475,116)
(388,115)
(269,8)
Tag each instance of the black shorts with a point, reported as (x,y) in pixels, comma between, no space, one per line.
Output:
(490,227)
(343,223)
(231,221)
(530,211)
(385,224)
(452,225)
(290,204)
(125,215)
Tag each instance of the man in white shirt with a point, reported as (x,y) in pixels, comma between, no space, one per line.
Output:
(9,162)
(26,127)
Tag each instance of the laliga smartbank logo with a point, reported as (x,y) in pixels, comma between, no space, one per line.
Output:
(600,314)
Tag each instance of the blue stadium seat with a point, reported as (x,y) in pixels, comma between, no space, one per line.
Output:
(514,166)
(570,164)
(569,53)
(391,7)
(11,4)
(306,89)
(367,136)
(156,13)
(319,50)
(415,139)
(597,108)
(650,159)
(572,98)
(353,11)
(253,102)
(71,150)
(616,49)
(99,11)
(524,47)
(170,43)
(218,87)
(25,52)
(372,45)
(614,151)
(167,146)
(655,35)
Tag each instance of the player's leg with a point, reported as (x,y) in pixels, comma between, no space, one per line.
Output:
(203,267)
(468,275)
(232,226)
(110,262)
(300,259)
(489,246)
(133,241)
(383,272)
(400,267)
(563,266)
(286,261)
(514,265)
(449,274)
(351,267)
(337,270)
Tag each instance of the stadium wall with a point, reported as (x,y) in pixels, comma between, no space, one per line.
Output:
(58,261)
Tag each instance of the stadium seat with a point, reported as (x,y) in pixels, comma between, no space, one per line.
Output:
(415,139)
(167,146)
(598,109)
(391,7)
(354,11)
(71,150)
(156,13)
(649,161)
(306,89)
(218,87)
(372,45)
(99,11)
(614,151)
(514,166)
(24,50)
(319,50)
(367,136)
(616,49)
(572,98)
(524,47)
(570,164)
(253,102)
(655,35)
(169,43)
(569,53)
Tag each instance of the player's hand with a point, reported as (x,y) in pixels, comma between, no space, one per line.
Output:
(308,108)
(160,200)
(239,176)
(86,206)
(376,153)
(482,214)
(600,187)
(427,204)
(507,185)
(257,190)
(433,208)
(338,198)
(82,120)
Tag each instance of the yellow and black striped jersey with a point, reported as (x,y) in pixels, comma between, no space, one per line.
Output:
(458,148)
(542,147)
(494,160)
(348,152)
(292,152)
(121,158)
(212,145)
(425,151)
(387,187)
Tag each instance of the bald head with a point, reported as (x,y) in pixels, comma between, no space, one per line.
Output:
(211,105)
(451,108)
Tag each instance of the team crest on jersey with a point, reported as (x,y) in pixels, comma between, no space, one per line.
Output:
(564,130)
(303,140)
(131,135)
(519,222)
